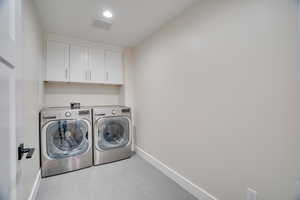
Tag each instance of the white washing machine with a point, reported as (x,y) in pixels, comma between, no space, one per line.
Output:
(66,140)
(112,133)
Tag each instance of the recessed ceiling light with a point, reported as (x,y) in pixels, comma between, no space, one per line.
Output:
(107,14)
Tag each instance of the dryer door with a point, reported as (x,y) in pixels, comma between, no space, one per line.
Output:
(66,138)
(113,132)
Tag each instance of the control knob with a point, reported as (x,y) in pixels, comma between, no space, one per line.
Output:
(68,114)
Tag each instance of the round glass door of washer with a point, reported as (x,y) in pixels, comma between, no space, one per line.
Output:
(113,133)
(66,138)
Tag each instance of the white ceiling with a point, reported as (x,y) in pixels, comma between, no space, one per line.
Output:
(133,21)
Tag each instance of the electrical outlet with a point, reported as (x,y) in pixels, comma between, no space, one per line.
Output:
(251,194)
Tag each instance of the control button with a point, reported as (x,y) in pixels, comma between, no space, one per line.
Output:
(68,114)
(126,110)
(83,112)
(49,117)
(113,112)
(100,114)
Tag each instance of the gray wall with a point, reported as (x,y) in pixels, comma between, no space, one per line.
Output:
(61,94)
(216,97)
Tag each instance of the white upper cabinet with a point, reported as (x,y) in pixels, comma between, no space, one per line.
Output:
(57,62)
(69,62)
(97,65)
(114,67)
(79,64)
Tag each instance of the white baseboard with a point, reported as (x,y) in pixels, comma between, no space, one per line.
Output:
(35,187)
(191,187)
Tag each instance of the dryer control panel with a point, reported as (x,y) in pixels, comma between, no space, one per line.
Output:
(112,111)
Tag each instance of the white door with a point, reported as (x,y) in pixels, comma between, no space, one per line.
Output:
(114,67)
(97,66)
(10,25)
(57,62)
(79,64)
(8,138)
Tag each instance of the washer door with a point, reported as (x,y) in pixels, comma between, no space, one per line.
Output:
(113,133)
(66,138)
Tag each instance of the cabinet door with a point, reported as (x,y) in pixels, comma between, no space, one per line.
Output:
(57,61)
(79,64)
(97,67)
(114,67)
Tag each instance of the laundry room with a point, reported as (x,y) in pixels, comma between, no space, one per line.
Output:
(156,100)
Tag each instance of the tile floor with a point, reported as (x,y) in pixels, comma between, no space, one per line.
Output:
(131,179)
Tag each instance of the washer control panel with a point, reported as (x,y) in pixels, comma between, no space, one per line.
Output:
(60,113)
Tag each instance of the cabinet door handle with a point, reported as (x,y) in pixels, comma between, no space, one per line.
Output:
(90,75)
(107,76)
(86,76)
(66,74)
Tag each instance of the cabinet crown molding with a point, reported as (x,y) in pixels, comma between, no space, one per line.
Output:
(80,42)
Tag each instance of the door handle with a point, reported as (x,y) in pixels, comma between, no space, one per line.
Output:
(22,151)
(66,74)
(87,75)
